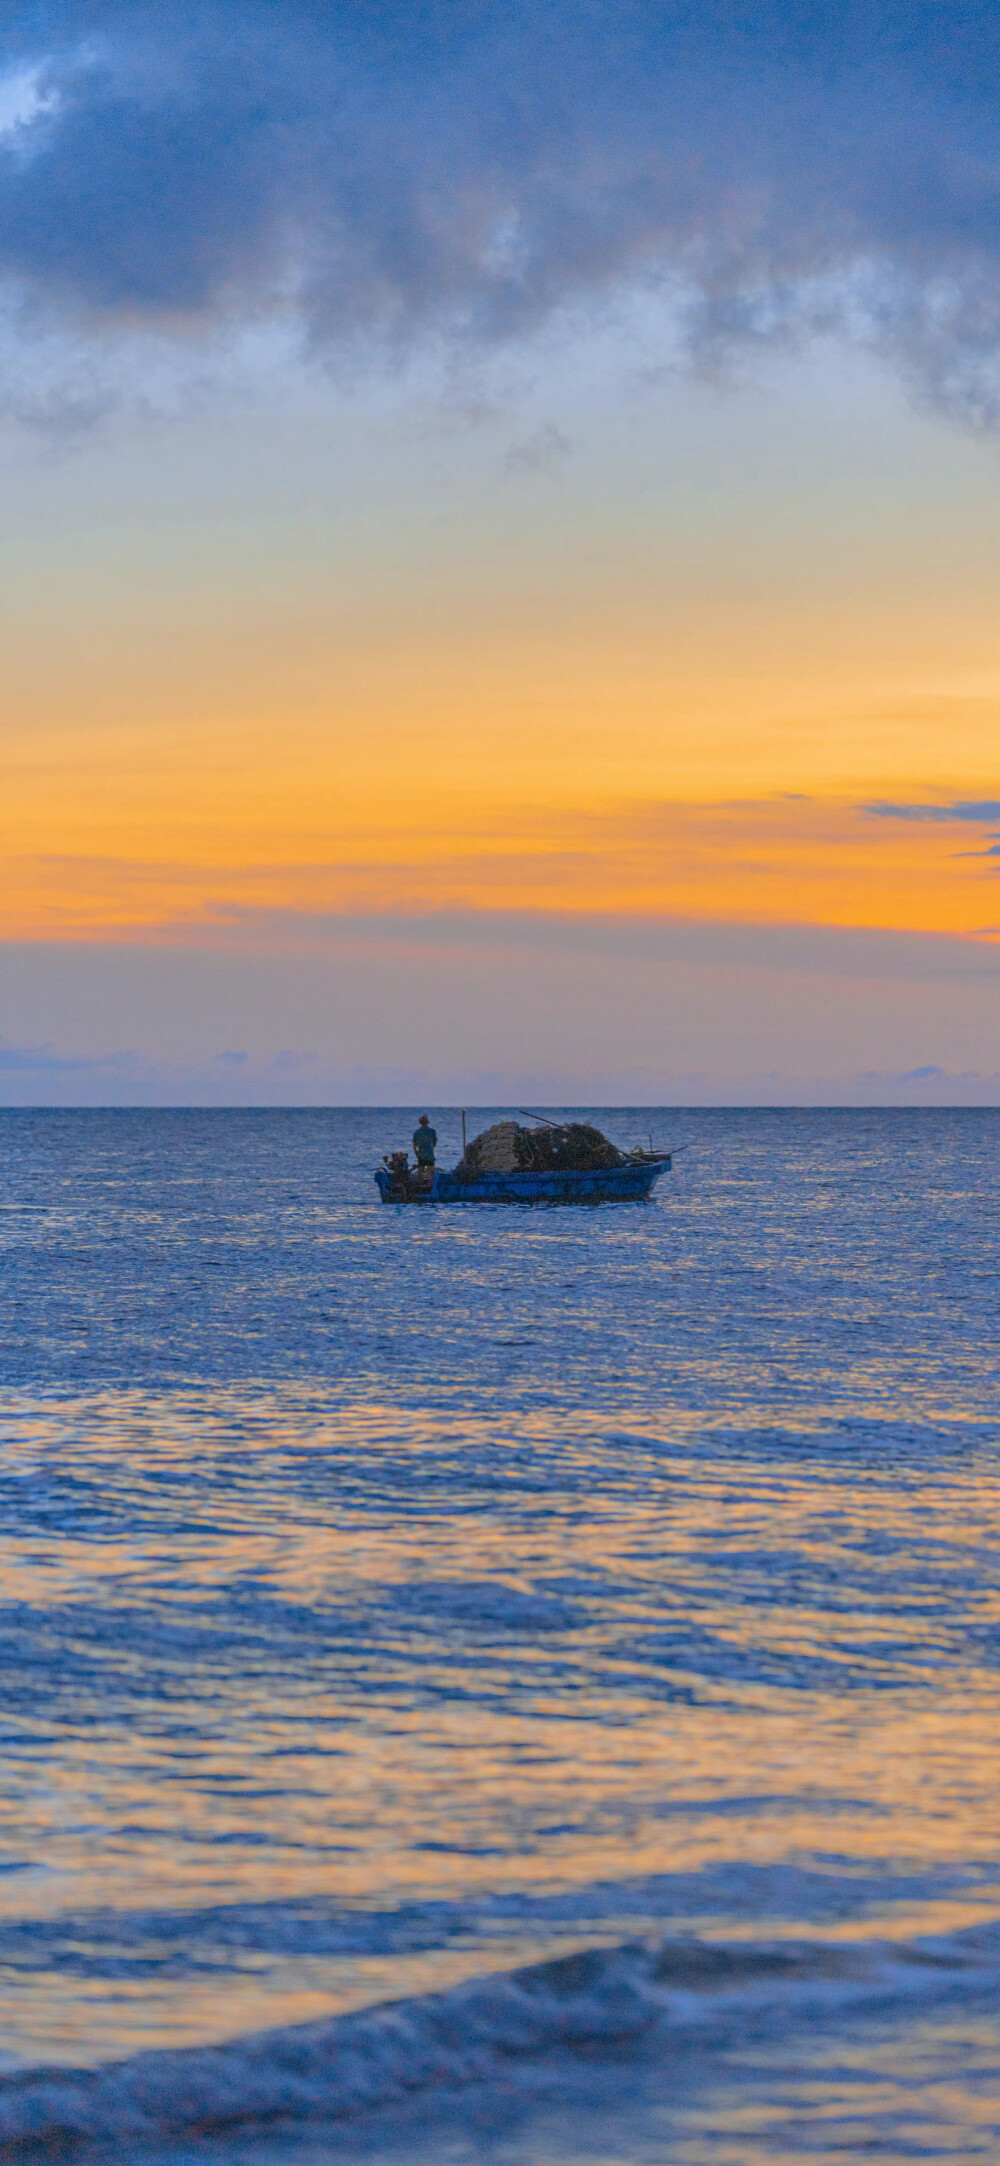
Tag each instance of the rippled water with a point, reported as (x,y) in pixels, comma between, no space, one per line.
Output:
(394,1599)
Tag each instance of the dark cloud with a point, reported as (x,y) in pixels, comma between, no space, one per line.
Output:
(399,167)
(981,810)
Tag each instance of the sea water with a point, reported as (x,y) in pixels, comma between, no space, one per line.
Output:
(493,1683)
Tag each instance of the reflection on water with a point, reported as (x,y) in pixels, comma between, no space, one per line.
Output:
(393,1596)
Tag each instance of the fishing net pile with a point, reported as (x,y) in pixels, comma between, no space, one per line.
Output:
(573,1147)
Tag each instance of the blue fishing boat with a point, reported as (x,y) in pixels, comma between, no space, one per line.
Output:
(555,1163)
(609,1184)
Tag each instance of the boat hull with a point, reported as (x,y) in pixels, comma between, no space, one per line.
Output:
(630,1183)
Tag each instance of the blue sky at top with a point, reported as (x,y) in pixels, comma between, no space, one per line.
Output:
(473,168)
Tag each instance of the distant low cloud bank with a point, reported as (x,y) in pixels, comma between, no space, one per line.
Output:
(28,1079)
(462,171)
(487,1009)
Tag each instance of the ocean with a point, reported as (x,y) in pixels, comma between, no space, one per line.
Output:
(500,1684)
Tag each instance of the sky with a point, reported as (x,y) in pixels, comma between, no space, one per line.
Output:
(499,547)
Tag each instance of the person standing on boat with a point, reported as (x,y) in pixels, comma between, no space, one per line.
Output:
(424,1144)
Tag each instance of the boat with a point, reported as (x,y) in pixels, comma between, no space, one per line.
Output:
(568,1162)
(630,1183)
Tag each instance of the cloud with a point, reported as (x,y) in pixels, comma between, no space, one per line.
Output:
(458,170)
(43,1060)
(541,453)
(465,1012)
(981,810)
(842,951)
(77,1080)
(50,1075)
(22,101)
(940,1086)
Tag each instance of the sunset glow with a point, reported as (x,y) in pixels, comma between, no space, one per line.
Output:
(593,613)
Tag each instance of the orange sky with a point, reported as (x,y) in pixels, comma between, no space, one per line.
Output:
(358,667)
(700,811)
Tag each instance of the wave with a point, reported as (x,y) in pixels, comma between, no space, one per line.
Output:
(592,2002)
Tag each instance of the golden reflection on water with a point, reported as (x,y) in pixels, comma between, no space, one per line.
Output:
(779,1667)
(80,2022)
(873,1769)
